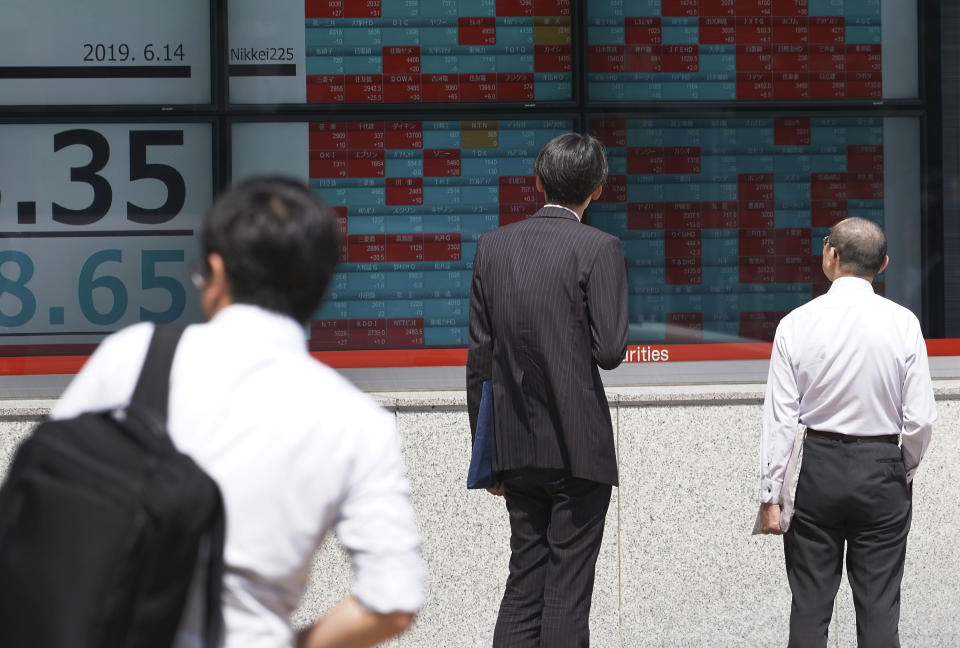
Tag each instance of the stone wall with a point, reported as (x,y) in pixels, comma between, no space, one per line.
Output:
(678,567)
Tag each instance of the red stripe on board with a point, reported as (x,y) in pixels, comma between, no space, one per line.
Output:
(943,347)
(392,358)
(653,353)
(52,365)
(41,365)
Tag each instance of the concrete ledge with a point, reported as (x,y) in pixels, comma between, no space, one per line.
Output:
(428,400)
(29,409)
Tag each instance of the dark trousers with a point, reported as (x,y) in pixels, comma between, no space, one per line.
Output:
(855,492)
(556,525)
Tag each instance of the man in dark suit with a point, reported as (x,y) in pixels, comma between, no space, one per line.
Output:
(548,306)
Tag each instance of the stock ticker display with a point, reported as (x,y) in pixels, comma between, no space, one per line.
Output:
(419,122)
(390,51)
(725,50)
(413,198)
(721,220)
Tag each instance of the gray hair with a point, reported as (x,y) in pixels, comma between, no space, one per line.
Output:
(861,244)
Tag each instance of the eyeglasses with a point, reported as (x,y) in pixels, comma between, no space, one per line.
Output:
(198,274)
(826,241)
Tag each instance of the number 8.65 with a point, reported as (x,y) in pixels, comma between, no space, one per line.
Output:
(15,286)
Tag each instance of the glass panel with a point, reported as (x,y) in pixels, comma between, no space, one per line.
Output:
(722,220)
(100,225)
(950,139)
(751,50)
(412,198)
(102,52)
(400,51)
(721,213)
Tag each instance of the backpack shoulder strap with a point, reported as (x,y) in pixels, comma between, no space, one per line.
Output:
(153,386)
(213,619)
(151,396)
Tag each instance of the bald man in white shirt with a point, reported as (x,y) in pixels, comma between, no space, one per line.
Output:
(852,367)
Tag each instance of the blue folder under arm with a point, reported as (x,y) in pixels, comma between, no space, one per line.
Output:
(481,460)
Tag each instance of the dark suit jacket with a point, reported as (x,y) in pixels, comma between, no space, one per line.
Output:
(548,306)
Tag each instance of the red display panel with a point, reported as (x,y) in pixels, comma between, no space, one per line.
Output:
(735,50)
(373,52)
(722,220)
(412,198)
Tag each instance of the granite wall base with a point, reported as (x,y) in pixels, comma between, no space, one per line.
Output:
(678,567)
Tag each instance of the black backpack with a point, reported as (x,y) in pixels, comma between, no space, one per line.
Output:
(103,524)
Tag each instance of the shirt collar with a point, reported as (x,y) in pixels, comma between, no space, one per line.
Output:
(562,207)
(262,325)
(843,284)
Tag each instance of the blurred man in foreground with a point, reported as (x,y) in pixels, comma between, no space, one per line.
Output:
(296,450)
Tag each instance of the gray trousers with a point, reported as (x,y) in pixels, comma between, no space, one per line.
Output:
(851,492)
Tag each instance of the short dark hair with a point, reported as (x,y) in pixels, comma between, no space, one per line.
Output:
(571,166)
(279,243)
(861,244)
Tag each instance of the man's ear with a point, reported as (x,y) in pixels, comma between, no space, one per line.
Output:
(218,269)
(886,261)
(596,192)
(217,291)
(539,184)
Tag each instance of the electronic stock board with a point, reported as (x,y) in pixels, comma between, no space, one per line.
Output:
(419,120)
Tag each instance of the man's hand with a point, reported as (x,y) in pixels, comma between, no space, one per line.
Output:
(350,625)
(770,519)
(496,489)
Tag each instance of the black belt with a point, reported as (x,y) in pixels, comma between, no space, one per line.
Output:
(849,438)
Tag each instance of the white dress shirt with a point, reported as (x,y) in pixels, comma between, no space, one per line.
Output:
(296,450)
(851,362)
(567,208)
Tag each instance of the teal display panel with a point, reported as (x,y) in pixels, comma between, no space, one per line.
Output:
(401,51)
(751,50)
(412,198)
(722,220)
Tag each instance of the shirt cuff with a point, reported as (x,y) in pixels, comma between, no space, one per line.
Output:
(770,490)
(395,585)
(910,473)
